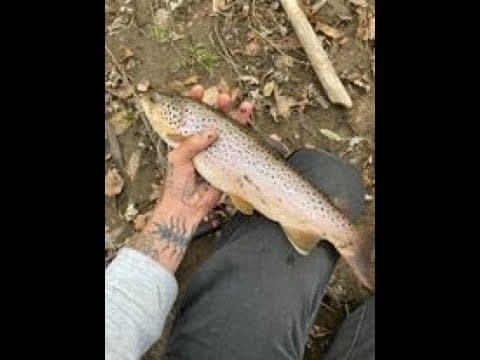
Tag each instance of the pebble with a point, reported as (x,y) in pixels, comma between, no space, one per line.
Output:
(143,85)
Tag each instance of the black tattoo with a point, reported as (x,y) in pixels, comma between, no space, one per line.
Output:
(174,231)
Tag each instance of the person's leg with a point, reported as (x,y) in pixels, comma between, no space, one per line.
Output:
(355,340)
(256,297)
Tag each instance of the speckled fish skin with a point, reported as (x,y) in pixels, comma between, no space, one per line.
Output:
(240,165)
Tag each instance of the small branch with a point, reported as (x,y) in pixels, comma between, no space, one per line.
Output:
(115,149)
(316,54)
(276,47)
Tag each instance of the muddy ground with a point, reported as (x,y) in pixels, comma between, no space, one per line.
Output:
(247,48)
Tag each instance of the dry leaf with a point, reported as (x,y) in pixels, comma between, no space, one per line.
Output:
(343,40)
(127,53)
(134,163)
(284,103)
(268,88)
(329,30)
(217,5)
(284,62)
(361,3)
(223,87)
(252,48)
(131,212)
(161,18)
(331,135)
(366,24)
(113,183)
(250,79)
(120,121)
(141,220)
(194,79)
(143,85)
(210,96)
(275,137)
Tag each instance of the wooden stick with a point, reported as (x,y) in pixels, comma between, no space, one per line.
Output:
(316,54)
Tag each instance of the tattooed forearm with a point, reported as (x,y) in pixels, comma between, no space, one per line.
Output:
(144,243)
(173,231)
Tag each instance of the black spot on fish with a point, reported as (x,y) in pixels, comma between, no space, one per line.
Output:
(247,178)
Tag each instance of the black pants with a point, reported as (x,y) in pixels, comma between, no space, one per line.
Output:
(257,298)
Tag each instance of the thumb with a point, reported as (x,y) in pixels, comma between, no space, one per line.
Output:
(195,144)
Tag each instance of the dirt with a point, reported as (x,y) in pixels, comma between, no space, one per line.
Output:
(173,50)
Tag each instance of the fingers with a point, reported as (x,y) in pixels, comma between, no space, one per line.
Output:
(196,92)
(243,113)
(224,102)
(192,146)
(209,197)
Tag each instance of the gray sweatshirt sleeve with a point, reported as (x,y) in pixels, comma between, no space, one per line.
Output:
(139,294)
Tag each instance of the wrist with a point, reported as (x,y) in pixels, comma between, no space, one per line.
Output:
(176,216)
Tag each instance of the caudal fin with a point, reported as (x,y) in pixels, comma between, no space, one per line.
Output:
(358,256)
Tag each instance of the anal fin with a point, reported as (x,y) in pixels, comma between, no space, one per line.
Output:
(243,206)
(303,242)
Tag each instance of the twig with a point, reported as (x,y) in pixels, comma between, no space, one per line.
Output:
(316,54)
(160,156)
(225,54)
(276,47)
(317,6)
(115,149)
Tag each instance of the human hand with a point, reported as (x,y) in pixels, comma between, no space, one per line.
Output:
(187,199)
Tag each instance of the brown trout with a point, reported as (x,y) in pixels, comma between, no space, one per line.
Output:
(255,178)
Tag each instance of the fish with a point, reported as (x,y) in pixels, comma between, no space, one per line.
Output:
(256,179)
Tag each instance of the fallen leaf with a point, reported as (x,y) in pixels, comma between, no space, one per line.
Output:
(131,212)
(127,53)
(275,137)
(268,88)
(223,87)
(210,96)
(361,3)
(343,40)
(134,163)
(366,24)
(141,220)
(283,62)
(194,79)
(123,92)
(329,30)
(108,157)
(252,48)
(143,85)
(217,5)
(331,135)
(284,103)
(120,121)
(161,18)
(113,183)
(250,79)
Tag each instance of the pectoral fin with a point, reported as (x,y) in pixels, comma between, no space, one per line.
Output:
(302,241)
(242,205)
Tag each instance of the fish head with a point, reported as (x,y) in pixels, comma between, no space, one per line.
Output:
(166,115)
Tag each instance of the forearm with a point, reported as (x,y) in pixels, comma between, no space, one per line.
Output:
(140,288)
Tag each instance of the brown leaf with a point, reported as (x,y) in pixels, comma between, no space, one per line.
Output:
(223,86)
(252,48)
(284,103)
(134,163)
(268,88)
(141,220)
(120,121)
(127,53)
(361,3)
(366,24)
(210,96)
(217,5)
(113,183)
(329,30)
(284,62)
